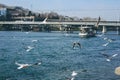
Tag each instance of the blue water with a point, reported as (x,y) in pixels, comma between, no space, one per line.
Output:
(58,57)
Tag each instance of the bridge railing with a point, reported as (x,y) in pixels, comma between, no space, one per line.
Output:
(102,23)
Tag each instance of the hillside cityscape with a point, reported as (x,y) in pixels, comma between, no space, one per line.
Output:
(15,13)
(59,40)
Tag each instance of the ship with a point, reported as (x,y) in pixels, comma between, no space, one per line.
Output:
(89,31)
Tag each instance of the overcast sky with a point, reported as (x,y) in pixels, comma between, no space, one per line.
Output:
(107,9)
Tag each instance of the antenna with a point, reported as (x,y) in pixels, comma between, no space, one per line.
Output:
(31,6)
(98,22)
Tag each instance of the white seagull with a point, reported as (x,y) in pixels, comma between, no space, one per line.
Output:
(29,48)
(108,57)
(105,44)
(76,44)
(34,40)
(45,20)
(74,74)
(22,65)
(26,65)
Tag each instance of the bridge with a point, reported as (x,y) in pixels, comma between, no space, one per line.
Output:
(92,23)
(103,24)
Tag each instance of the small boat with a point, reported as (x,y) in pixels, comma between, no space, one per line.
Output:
(87,31)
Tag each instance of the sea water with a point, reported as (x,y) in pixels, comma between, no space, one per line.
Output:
(58,57)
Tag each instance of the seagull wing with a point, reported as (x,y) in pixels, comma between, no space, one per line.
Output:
(37,63)
(74,73)
(72,78)
(20,67)
(73,45)
(18,64)
(105,55)
(114,55)
(105,44)
(79,45)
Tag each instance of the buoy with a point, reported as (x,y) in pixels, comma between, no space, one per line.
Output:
(117,71)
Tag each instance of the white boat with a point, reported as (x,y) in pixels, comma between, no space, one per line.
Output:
(87,31)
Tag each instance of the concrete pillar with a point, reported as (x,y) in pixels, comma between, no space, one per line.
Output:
(69,29)
(61,28)
(21,28)
(104,29)
(118,30)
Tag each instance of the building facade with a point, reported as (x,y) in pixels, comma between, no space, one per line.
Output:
(3,11)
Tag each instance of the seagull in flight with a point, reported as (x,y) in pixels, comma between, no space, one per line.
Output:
(29,48)
(108,39)
(108,57)
(45,20)
(76,44)
(105,44)
(74,73)
(26,65)
(34,40)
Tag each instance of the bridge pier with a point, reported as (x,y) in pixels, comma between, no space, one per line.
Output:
(68,29)
(61,28)
(104,30)
(118,30)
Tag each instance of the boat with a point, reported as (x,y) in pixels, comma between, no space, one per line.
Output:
(87,31)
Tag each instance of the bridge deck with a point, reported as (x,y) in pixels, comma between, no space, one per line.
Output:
(102,23)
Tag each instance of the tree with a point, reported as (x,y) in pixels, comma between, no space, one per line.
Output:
(29,13)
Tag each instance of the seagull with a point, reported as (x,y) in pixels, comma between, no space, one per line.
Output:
(72,78)
(26,65)
(34,40)
(66,34)
(37,63)
(109,40)
(45,20)
(76,43)
(105,44)
(108,57)
(22,65)
(27,32)
(29,48)
(105,38)
(74,74)
(100,35)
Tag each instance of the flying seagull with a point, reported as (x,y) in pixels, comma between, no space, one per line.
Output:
(29,48)
(105,44)
(26,65)
(74,73)
(108,57)
(76,44)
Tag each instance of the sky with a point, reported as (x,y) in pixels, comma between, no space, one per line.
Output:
(106,9)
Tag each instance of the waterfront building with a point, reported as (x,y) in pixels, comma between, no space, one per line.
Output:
(3,11)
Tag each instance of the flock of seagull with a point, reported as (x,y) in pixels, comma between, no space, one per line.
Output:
(107,56)
(28,49)
(75,44)
(26,65)
(110,57)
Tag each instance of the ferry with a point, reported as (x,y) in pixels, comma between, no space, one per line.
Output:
(87,31)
